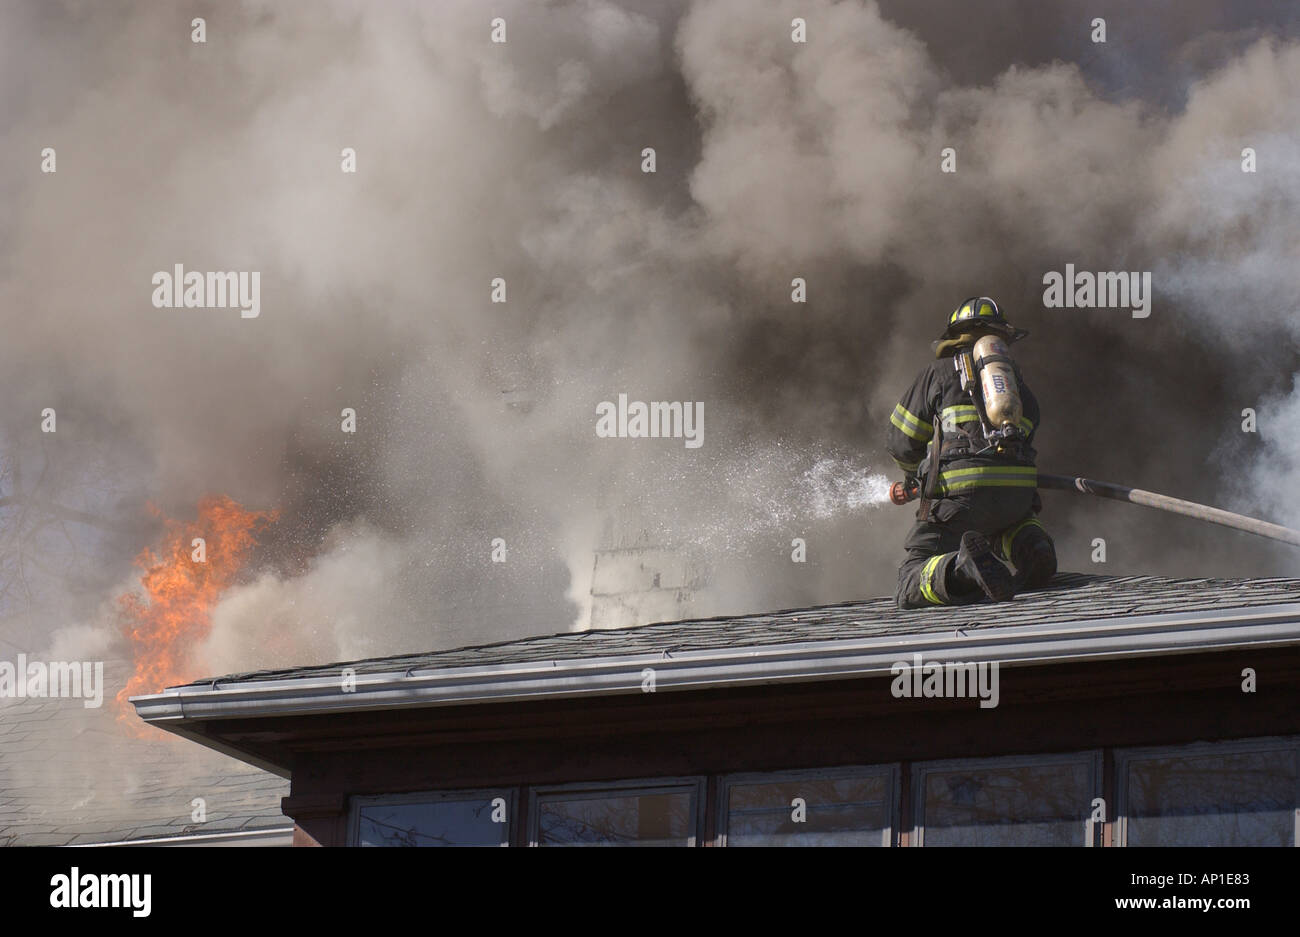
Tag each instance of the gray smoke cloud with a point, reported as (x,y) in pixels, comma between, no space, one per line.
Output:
(523,161)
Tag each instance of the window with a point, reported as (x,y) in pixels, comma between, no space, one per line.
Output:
(1218,794)
(452,818)
(832,807)
(660,812)
(1044,800)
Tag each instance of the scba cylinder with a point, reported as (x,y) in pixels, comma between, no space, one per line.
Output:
(997,376)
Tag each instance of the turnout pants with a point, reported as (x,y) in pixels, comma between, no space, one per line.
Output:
(1007,516)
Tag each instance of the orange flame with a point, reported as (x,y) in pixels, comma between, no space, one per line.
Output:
(174,614)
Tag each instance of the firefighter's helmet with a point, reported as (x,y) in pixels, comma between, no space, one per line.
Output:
(981,312)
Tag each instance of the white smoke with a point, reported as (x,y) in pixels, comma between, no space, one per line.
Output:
(522,160)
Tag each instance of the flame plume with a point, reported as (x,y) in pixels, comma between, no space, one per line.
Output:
(173,614)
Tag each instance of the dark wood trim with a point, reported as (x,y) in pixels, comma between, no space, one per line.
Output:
(671,713)
(321,819)
(904,837)
(519,834)
(710,825)
(1110,795)
(1042,710)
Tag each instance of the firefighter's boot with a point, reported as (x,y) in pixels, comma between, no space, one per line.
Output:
(1035,562)
(1028,547)
(976,567)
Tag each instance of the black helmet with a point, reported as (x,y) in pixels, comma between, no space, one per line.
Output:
(981,311)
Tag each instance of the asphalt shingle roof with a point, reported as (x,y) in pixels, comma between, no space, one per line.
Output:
(71,775)
(1070,597)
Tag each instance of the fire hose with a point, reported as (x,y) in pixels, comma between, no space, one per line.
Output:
(903,492)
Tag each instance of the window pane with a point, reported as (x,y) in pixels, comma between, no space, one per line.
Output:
(624,819)
(1243,799)
(437,823)
(1029,805)
(839,812)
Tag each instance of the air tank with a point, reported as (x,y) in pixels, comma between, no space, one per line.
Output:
(997,381)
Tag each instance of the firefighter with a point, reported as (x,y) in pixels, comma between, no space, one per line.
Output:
(979,497)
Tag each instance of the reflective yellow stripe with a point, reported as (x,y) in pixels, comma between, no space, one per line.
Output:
(988,476)
(1009,537)
(927,577)
(965,413)
(950,417)
(951,488)
(911,424)
(906,466)
(908,430)
(990,470)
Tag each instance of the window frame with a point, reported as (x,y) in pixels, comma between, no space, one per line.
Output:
(1093,757)
(890,770)
(1125,756)
(695,785)
(358,802)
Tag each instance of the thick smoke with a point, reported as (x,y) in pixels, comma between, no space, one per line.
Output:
(522,160)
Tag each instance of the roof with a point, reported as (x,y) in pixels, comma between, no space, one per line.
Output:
(76,776)
(1077,618)
(70,775)
(1070,597)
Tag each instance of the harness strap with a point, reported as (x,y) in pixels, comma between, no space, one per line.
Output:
(932,476)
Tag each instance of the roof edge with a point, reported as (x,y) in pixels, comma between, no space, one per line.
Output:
(183,709)
(266,836)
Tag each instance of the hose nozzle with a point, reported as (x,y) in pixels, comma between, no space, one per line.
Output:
(903,492)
